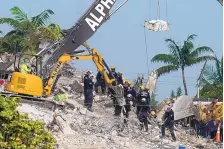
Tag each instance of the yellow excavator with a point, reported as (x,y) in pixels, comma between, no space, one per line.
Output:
(33,85)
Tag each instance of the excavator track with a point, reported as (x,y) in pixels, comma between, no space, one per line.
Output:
(39,101)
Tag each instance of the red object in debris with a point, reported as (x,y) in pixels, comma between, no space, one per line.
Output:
(2,82)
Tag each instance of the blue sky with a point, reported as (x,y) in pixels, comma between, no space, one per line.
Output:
(121,39)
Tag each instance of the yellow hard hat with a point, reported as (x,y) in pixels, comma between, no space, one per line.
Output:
(153,113)
(132,86)
(146,88)
(129,82)
(112,68)
(120,73)
(142,87)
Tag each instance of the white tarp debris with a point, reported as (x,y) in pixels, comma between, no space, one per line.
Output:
(157,25)
(183,107)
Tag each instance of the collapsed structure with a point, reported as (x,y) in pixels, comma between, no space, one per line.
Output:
(73,123)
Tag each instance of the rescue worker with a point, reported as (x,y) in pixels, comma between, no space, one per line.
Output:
(132,91)
(127,106)
(142,94)
(126,87)
(24,67)
(147,90)
(113,73)
(88,90)
(114,97)
(194,124)
(143,107)
(168,122)
(120,78)
(100,82)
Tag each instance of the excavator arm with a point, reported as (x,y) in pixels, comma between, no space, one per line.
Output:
(97,58)
(94,55)
(85,27)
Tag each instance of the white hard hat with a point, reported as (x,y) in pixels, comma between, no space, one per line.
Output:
(129,95)
(143,100)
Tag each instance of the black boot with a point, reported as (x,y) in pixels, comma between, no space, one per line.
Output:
(141,126)
(90,109)
(173,136)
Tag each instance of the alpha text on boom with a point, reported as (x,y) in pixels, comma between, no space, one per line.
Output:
(95,21)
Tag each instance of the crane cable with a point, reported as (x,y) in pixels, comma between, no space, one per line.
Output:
(146,46)
(146,51)
(167,12)
(158,11)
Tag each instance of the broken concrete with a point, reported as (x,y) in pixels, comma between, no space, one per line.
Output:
(79,128)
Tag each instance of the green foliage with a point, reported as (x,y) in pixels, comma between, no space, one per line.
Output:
(27,33)
(153,101)
(182,56)
(211,91)
(18,132)
(212,81)
(179,91)
(172,94)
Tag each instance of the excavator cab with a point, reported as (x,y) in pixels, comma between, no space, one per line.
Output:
(35,63)
(23,83)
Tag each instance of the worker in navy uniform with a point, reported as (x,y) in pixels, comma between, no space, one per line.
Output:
(88,90)
(100,82)
(113,73)
(141,94)
(120,78)
(143,107)
(132,91)
(168,122)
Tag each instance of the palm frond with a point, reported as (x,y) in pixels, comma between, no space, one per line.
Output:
(201,50)
(42,18)
(47,33)
(18,14)
(186,49)
(165,58)
(191,37)
(166,69)
(174,48)
(200,59)
(210,74)
(219,71)
(15,32)
(9,21)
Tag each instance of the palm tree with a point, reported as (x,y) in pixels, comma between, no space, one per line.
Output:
(181,56)
(212,80)
(31,32)
(214,75)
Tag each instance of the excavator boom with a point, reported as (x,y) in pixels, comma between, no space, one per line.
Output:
(86,26)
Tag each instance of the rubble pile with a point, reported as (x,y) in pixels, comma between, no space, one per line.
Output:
(6,60)
(76,127)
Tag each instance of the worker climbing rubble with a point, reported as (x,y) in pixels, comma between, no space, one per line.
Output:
(100,82)
(132,91)
(88,90)
(168,122)
(113,73)
(143,107)
(120,78)
(24,66)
